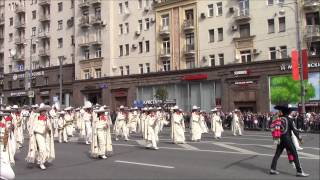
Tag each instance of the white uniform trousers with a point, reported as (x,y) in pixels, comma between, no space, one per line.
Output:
(62,134)
(122,128)
(88,129)
(101,133)
(41,143)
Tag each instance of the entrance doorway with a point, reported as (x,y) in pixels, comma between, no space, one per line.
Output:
(246,106)
(94,97)
(121,101)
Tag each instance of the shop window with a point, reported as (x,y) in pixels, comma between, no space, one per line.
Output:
(21,83)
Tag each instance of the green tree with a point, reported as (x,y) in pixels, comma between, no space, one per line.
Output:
(285,90)
(161,93)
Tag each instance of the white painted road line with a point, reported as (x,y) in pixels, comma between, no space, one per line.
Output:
(141,142)
(245,151)
(145,164)
(314,148)
(188,146)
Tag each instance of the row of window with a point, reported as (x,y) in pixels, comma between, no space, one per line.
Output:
(13,6)
(88,74)
(124,50)
(124,28)
(124,7)
(97,53)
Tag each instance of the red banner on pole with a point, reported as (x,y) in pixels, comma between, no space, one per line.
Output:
(305,64)
(295,65)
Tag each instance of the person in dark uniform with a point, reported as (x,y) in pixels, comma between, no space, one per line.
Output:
(286,141)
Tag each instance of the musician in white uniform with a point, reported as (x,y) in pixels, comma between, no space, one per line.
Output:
(236,124)
(69,118)
(196,130)
(216,123)
(121,124)
(177,133)
(62,132)
(152,133)
(87,120)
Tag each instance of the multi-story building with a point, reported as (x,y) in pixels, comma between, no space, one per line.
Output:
(2,33)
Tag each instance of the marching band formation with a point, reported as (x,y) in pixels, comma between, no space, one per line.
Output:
(94,124)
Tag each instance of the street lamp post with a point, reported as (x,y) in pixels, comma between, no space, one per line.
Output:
(298,34)
(61,59)
(30,73)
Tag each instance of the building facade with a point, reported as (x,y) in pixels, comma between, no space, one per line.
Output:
(116,52)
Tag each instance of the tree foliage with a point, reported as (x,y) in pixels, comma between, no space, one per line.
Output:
(285,90)
(161,93)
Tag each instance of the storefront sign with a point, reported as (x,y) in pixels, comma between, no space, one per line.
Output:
(152,102)
(286,67)
(22,76)
(15,94)
(195,77)
(242,72)
(120,94)
(243,82)
(44,92)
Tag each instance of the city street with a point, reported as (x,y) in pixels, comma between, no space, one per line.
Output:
(245,157)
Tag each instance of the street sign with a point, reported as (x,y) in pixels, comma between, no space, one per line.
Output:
(30,94)
(55,99)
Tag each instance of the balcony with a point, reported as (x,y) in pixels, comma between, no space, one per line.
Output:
(44,2)
(189,50)
(44,18)
(96,20)
(96,42)
(84,44)
(44,52)
(242,15)
(95,2)
(20,9)
(243,42)
(84,4)
(19,57)
(96,61)
(20,25)
(164,31)
(312,32)
(188,25)
(311,4)
(84,22)
(44,35)
(20,41)
(165,54)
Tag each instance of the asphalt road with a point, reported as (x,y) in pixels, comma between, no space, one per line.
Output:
(245,157)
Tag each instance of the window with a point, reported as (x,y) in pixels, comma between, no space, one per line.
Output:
(271,26)
(60,25)
(9,84)
(72,3)
(210,10)
(34,48)
(219,9)
(166,65)
(166,46)
(120,29)
(98,52)
(190,63)
(86,54)
(283,52)
(147,3)
(270,2)
(72,41)
(127,28)
(127,6)
(280,1)
(148,67)
(121,70)
(147,25)
(220,34)
(140,25)
(11,21)
(60,43)
(10,37)
(245,56)
(86,74)
(190,42)
(127,49)
(60,6)
(165,21)
(33,83)
(272,53)
(140,4)
(140,47)
(128,70)
(244,30)
(121,50)
(212,60)
(46,81)
(147,46)
(282,24)
(120,8)
(98,72)
(141,68)
(211,35)
(34,14)
(221,59)
(34,30)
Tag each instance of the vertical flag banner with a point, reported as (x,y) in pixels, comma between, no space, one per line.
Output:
(295,65)
(305,64)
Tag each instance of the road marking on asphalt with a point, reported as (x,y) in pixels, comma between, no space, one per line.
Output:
(188,146)
(314,148)
(213,151)
(233,148)
(141,142)
(145,164)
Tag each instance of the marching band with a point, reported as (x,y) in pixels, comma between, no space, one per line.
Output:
(94,124)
